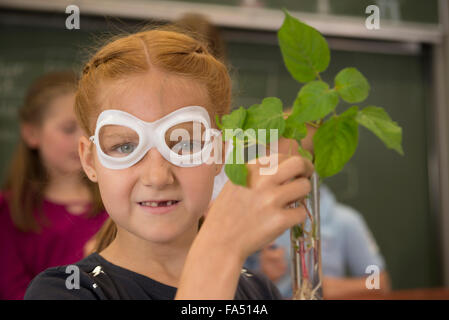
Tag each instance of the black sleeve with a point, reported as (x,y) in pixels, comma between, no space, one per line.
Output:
(269,289)
(254,285)
(51,285)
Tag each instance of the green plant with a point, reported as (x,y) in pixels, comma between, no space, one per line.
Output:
(306,54)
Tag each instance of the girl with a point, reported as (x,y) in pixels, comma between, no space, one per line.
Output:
(134,94)
(48,209)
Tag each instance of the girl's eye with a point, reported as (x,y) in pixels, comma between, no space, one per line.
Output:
(187,146)
(69,129)
(125,148)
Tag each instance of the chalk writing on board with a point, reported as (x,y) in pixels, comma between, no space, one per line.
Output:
(9,73)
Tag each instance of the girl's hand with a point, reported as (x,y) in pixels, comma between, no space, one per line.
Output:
(242,220)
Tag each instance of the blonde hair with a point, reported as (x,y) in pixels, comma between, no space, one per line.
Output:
(168,49)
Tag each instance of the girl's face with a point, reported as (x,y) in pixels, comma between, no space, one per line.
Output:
(124,192)
(57,136)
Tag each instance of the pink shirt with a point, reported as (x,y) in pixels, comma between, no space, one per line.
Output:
(24,255)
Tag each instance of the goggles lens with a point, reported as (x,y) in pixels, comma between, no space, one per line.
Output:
(186,138)
(118,141)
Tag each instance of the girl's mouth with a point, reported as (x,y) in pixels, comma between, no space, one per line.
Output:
(159,207)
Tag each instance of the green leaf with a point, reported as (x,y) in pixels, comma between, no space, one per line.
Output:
(235,168)
(217,121)
(294,129)
(268,115)
(379,122)
(304,153)
(335,143)
(235,119)
(314,101)
(351,85)
(297,232)
(304,49)
(237,173)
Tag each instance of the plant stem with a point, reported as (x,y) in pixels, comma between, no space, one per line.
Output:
(313,124)
(303,261)
(303,202)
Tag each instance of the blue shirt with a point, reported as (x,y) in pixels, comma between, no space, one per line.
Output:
(346,244)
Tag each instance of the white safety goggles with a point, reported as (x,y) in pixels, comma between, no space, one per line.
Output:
(183,137)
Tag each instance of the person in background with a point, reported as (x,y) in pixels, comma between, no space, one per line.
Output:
(347,244)
(48,208)
(202,29)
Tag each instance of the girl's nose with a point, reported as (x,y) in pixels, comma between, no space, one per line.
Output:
(156,171)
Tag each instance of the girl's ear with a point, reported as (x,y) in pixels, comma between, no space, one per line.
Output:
(30,134)
(86,152)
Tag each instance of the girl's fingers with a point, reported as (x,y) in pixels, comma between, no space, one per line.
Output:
(292,191)
(293,167)
(294,216)
(283,219)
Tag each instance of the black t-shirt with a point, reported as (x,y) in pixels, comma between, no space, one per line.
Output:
(101,280)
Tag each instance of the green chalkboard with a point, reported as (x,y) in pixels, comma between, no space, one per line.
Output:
(28,53)
(390,191)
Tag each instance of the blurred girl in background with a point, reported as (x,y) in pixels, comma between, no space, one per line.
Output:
(48,208)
